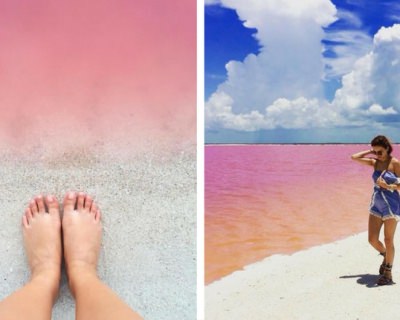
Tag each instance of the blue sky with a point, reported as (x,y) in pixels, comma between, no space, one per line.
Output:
(315,71)
(226,39)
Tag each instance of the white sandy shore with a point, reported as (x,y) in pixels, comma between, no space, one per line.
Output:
(148,203)
(332,281)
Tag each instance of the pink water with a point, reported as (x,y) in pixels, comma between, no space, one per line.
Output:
(266,199)
(97,71)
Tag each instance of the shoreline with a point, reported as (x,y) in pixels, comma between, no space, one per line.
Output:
(289,144)
(284,253)
(330,281)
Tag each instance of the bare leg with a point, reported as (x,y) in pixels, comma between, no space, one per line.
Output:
(374,228)
(389,229)
(82,236)
(41,226)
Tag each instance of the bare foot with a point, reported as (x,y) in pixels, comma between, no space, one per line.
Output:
(41,226)
(82,236)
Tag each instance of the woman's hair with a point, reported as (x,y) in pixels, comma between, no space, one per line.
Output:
(382,141)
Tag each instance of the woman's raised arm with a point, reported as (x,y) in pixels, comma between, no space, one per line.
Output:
(360,157)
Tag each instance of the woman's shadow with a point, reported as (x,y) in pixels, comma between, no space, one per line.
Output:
(368,280)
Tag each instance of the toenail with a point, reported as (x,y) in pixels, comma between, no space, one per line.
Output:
(50,198)
(71,195)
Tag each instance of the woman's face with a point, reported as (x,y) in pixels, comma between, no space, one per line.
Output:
(380,152)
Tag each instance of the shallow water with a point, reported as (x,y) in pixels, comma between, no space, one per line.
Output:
(262,200)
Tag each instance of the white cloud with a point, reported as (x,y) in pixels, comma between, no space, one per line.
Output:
(389,34)
(350,18)
(281,86)
(374,79)
(377,109)
(219,112)
(302,113)
(354,44)
(356,90)
(289,64)
(283,113)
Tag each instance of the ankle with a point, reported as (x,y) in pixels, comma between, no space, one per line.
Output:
(49,271)
(48,279)
(79,274)
(388,269)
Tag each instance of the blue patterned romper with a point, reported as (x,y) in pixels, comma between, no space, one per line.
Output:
(385,204)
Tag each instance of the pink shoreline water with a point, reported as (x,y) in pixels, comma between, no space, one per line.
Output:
(267,199)
(95,72)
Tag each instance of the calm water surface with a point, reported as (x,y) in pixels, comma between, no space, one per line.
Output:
(262,200)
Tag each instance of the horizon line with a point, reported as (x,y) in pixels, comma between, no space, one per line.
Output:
(283,143)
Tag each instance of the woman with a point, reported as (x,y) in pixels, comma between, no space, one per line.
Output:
(385,202)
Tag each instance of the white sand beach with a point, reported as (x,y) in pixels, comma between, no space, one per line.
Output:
(148,204)
(332,281)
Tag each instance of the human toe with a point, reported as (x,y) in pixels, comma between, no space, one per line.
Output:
(95,211)
(52,204)
(40,204)
(27,217)
(69,201)
(81,201)
(88,203)
(97,216)
(34,208)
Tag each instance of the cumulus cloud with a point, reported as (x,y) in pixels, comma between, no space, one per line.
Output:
(372,87)
(281,87)
(289,64)
(283,113)
(377,109)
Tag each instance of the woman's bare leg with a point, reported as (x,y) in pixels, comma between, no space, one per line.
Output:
(82,236)
(374,228)
(389,230)
(41,226)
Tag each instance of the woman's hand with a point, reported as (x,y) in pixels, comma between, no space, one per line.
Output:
(382,183)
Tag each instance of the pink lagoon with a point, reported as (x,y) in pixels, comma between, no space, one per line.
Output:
(262,200)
